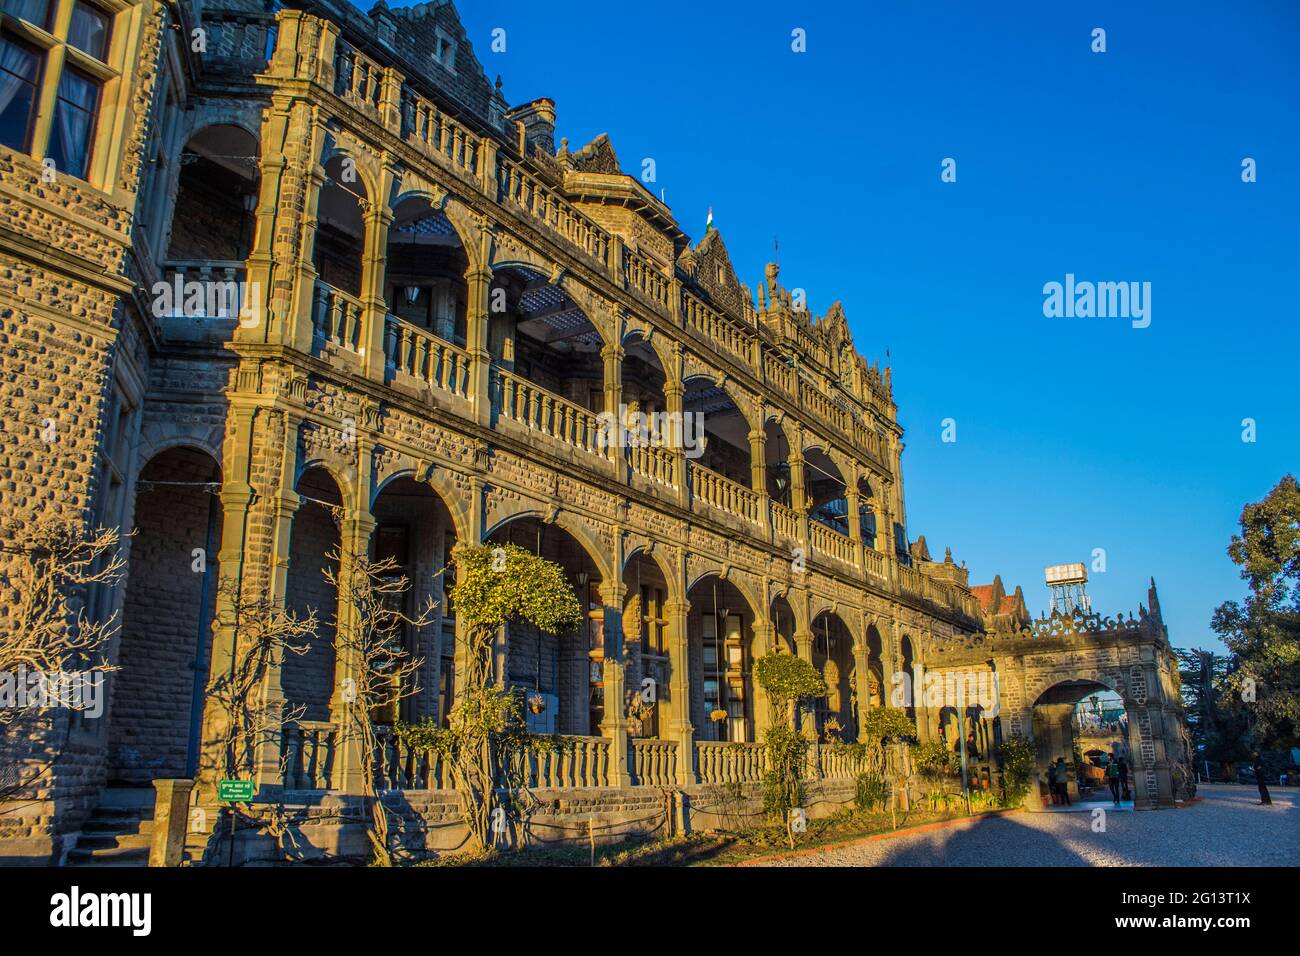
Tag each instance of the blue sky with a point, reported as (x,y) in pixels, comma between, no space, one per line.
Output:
(1072,434)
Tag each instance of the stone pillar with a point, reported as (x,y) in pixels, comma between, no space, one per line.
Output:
(764,642)
(477,307)
(852,498)
(286,502)
(615,449)
(861,681)
(680,728)
(803,645)
(374,262)
(674,392)
(303,334)
(614,725)
(354,533)
(171,817)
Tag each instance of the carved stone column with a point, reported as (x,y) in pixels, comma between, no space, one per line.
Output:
(479,281)
(614,725)
(680,689)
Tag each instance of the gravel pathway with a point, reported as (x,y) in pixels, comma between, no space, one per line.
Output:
(1225,828)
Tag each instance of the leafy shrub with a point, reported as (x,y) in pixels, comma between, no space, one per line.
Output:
(871,792)
(1018,758)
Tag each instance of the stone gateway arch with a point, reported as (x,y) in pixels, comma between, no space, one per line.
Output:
(1052,663)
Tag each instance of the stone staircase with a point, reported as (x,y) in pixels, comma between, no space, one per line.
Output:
(118,831)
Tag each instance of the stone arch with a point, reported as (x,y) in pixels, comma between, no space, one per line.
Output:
(158,436)
(165,643)
(307,680)
(656,556)
(576,526)
(217,188)
(452,497)
(366,164)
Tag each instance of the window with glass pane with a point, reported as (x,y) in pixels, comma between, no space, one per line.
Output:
(88,31)
(20,70)
(33,11)
(74,121)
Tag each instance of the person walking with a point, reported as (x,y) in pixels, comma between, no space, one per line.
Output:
(1123,779)
(1112,777)
(1061,774)
(1258,767)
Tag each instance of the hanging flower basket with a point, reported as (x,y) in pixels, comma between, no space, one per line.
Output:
(537,704)
(718,714)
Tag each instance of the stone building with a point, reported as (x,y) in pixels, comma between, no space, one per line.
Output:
(280,282)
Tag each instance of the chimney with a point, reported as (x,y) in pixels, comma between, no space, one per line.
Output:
(536,124)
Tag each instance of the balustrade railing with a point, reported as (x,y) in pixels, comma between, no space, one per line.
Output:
(723,493)
(643,276)
(654,462)
(777,373)
(717,329)
(723,762)
(654,762)
(338,318)
(837,763)
(785,522)
(205,289)
(399,766)
(436,134)
(829,542)
(551,210)
(564,762)
(875,562)
(307,751)
(423,355)
(532,406)
(357,78)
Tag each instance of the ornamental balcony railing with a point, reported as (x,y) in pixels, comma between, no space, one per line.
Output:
(654,762)
(642,276)
(723,493)
(521,191)
(518,400)
(358,79)
(338,320)
(425,357)
(439,136)
(830,543)
(719,761)
(308,750)
(718,330)
(654,462)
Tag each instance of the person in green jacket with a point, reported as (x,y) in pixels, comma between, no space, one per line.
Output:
(1112,777)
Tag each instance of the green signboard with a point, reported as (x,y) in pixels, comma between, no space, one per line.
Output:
(235,791)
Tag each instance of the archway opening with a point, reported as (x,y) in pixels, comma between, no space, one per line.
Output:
(414,530)
(783,625)
(1072,717)
(647,652)
(776,455)
(726,431)
(340,227)
(166,637)
(307,680)
(876,669)
(562,675)
(721,633)
(825,487)
(867,513)
(216,197)
(538,333)
(834,715)
(424,280)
